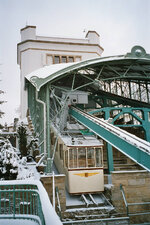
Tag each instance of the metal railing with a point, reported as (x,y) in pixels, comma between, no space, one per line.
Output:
(26,199)
(127,205)
(20,200)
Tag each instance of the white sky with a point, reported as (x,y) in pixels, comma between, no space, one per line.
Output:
(120,23)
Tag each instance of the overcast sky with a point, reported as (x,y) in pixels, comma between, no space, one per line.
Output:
(120,23)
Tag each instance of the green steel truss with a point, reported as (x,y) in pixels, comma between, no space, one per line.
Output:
(113,83)
(126,117)
(135,148)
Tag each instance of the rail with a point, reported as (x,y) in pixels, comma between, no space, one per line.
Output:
(135,148)
(26,200)
(127,205)
(124,198)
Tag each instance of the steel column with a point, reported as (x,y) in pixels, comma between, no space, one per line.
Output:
(49,169)
(109,148)
(146,124)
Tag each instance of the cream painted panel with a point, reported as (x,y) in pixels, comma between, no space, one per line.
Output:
(86,181)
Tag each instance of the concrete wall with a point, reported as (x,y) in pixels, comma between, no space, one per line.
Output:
(136,185)
(47,181)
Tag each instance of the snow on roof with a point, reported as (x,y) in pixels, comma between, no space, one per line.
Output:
(45,74)
(48,70)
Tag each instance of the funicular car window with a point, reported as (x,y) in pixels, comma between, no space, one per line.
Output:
(66,158)
(98,157)
(81,157)
(73,158)
(91,157)
(60,150)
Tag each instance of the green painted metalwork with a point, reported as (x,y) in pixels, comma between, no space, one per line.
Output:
(36,113)
(111,81)
(110,158)
(108,99)
(106,68)
(21,201)
(49,165)
(145,124)
(142,157)
(109,151)
(144,121)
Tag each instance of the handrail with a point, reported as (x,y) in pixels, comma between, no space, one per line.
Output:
(20,200)
(28,200)
(133,204)
(124,198)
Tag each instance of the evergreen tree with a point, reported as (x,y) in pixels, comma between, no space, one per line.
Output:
(22,135)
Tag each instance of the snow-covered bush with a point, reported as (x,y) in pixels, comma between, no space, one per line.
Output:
(8,161)
(11,166)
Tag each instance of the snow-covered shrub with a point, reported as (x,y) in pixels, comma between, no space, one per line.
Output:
(11,166)
(8,161)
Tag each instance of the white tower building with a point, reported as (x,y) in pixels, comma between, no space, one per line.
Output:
(34,52)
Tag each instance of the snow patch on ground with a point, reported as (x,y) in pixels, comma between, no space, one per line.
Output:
(107,208)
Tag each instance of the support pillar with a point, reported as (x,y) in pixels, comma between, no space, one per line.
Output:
(110,158)
(146,124)
(49,163)
(109,148)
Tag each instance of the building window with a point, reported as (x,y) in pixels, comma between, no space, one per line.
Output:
(77,58)
(64,59)
(71,59)
(55,59)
